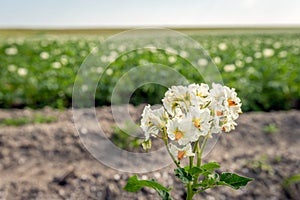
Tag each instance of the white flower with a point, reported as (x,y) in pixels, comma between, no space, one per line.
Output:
(248,59)
(181,152)
(56,65)
(257,54)
(216,128)
(268,53)
(200,120)
(177,96)
(202,62)
(229,68)
(199,90)
(226,107)
(190,112)
(22,71)
(64,59)
(217,60)
(222,46)
(44,55)
(217,92)
(229,125)
(184,54)
(153,121)
(282,54)
(277,45)
(233,102)
(181,130)
(172,59)
(11,51)
(109,72)
(12,68)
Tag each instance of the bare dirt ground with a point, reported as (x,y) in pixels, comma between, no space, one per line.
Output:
(48,161)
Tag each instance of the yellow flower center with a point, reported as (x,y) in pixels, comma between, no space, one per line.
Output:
(231,103)
(178,134)
(197,123)
(219,113)
(180,154)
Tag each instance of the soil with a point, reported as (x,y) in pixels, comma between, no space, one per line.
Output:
(48,161)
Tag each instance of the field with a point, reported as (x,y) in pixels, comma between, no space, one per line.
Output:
(43,157)
(38,68)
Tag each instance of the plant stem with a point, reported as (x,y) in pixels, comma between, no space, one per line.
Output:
(199,155)
(190,193)
(174,160)
(199,152)
(165,139)
(191,161)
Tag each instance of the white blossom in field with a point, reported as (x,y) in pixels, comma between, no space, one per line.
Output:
(99,70)
(12,68)
(268,53)
(183,54)
(94,50)
(104,58)
(170,50)
(239,63)
(22,71)
(64,60)
(229,68)
(217,60)
(258,54)
(109,72)
(11,51)
(84,88)
(181,152)
(248,59)
(222,46)
(282,54)
(202,62)
(277,45)
(172,59)
(121,48)
(44,55)
(56,65)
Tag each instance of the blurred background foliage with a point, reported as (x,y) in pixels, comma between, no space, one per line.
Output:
(38,70)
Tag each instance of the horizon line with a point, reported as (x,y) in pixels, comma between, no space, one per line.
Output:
(103,27)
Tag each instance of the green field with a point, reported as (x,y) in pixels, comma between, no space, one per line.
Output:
(38,67)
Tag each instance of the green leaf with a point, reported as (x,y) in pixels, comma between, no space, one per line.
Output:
(211,166)
(195,171)
(134,185)
(204,170)
(232,180)
(164,195)
(183,175)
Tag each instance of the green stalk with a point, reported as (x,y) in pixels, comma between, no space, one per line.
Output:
(199,152)
(165,139)
(199,155)
(190,193)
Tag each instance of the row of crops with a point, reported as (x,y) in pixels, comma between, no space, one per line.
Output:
(40,70)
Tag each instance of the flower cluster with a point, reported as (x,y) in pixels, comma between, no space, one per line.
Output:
(188,113)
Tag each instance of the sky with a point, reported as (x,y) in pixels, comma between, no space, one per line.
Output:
(136,13)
